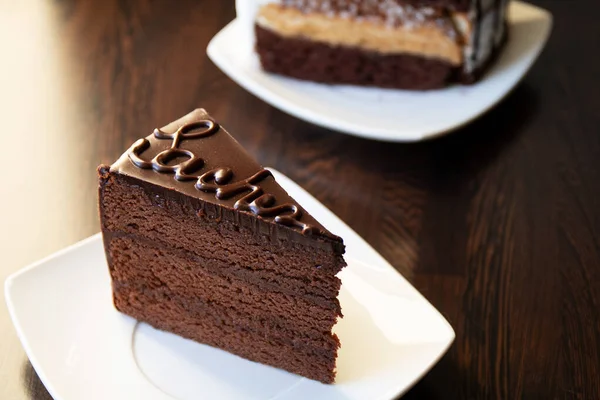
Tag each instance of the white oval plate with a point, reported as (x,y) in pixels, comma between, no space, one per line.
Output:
(82,348)
(384,114)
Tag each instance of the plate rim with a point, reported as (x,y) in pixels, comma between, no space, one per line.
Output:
(399,390)
(9,282)
(384,135)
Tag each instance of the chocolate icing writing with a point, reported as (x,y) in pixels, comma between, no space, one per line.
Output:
(218,180)
(256,201)
(160,162)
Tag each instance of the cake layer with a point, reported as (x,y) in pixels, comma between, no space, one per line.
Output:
(423,32)
(186,223)
(134,263)
(321,293)
(309,60)
(166,314)
(315,341)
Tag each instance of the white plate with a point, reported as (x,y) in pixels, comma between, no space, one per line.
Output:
(384,114)
(82,348)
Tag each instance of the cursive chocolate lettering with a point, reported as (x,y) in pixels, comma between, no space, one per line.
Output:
(255,200)
(218,180)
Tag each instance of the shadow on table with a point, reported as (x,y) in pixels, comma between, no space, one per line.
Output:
(445,381)
(451,159)
(33,385)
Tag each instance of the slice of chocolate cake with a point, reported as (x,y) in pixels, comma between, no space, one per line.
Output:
(407,44)
(202,242)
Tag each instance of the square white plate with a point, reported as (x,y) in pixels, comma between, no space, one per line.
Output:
(82,348)
(383,114)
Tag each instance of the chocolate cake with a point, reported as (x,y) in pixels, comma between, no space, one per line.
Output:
(201,241)
(406,44)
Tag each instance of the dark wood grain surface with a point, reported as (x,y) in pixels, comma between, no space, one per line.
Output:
(498,224)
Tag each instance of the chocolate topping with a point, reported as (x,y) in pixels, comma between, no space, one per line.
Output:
(197,157)
(391,11)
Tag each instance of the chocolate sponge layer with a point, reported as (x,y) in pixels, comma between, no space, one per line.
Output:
(136,260)
(167,314)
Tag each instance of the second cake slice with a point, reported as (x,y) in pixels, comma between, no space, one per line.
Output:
(406,44)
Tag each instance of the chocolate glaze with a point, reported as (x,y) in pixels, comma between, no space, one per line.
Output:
(383,9)
(390,13)
(255,201)
(214,169)
(160,162)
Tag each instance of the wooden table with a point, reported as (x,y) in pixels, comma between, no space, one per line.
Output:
(498,225)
